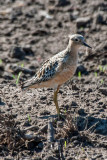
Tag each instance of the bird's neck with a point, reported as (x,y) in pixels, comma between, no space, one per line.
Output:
(73,50)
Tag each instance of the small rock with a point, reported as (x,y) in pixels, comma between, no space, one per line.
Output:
(31,144)
(99,18)
(60,91)
(39,18)
(29,108)
(45,112)
(29,15)
(40,145)
(81,112)
(104,61)
(100,103)
(101,110)
(51,10)
(60,124)
(62,3)
(8,158)
(1,103)
(15,14)
(69,158)
(43,97)
(7,76)
(89,90)
(75,142)
(16,52)
(81,69)
(26,123)
(60,24)
(40,32)
(83,21)
(74,15)
(20,52)
(82,1)
(74,87)
(74,103)
(104,106)
(103,91)
(1,70)
(51,158)
(28,51)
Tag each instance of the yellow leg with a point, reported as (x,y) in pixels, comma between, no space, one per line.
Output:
(56,101)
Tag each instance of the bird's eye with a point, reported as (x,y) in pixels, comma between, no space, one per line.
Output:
(76,40)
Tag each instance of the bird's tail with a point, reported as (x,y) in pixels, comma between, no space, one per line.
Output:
(26,84)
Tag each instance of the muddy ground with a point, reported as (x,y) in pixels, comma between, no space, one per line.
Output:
(31,32)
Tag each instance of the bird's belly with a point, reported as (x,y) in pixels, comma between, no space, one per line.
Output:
(65,75)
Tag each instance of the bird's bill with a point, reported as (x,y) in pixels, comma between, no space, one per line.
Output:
(85,44)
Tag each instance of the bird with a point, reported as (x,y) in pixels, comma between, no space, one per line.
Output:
(57,70)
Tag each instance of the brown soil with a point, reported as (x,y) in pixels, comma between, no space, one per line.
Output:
(31,32)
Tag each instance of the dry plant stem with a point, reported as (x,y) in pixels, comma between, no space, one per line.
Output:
(92,127)
(31,137)
(60,150)
(50,136)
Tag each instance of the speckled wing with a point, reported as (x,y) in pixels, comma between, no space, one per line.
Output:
(45,73)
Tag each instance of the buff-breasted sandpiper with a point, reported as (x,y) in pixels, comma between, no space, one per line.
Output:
(58,69)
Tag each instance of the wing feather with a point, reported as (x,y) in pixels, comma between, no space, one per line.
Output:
(45,73)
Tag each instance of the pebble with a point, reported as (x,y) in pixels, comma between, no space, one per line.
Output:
(83,21)
(62,3)
(103,91)
(81,69)
(20,52)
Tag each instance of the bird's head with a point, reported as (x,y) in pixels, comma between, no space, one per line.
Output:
(77,40)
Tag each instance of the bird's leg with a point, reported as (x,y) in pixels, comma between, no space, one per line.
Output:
(56,101)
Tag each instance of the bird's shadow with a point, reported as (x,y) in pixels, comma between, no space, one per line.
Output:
(97,125)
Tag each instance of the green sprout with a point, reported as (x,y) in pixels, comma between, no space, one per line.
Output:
(19,74)
(100,68)
(14,77)
(95,74)
(104,68)
(102,81)
(65,144)
(79,75)
(1,61)
(81,28)
(65,110)
(18,77)
(22,65)
(83,149)
(29,119)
